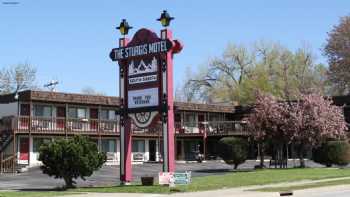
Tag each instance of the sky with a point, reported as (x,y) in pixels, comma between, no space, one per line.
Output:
(70,41)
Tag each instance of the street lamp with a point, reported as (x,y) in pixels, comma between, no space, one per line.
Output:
(165,18)
(124,27)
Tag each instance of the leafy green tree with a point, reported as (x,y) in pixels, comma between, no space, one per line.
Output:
(70,159)
(337,50)
(333,152)
(233,151)
(267,67)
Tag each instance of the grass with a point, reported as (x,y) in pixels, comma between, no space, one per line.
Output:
(229,180)
(305,186)
(35,194)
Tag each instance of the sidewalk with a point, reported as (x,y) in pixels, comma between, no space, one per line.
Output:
(237,192)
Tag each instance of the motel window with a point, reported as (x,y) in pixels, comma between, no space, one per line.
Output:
(138,146)
(190,119)
(61,112)
(42,111)
(93,113)
(25,110)
(75,112)
(108,114)
(37,142)
(108,145)
(177,117)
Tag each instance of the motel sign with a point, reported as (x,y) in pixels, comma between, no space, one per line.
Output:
(146,91)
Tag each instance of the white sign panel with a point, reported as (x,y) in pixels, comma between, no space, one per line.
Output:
(142,67)
(143,79)
(143,98)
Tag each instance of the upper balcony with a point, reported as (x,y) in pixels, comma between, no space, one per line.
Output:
(70,126)
(210,128)
(55,125)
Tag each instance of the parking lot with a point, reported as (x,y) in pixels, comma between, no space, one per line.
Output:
(109,175)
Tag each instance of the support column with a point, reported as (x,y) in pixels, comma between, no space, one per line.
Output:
(125,125)
(127,174)
(205,144)
(31,114)
(168,109)
(182,149)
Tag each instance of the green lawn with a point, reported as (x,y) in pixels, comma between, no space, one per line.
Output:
(234,179)
(35,194)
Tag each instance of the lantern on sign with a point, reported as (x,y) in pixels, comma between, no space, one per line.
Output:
(124,27)
(165,18)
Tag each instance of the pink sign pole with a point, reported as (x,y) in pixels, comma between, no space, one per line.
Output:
(124,125)
(168,104)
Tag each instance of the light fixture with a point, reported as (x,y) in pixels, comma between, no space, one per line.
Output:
(165,18)
(124,27)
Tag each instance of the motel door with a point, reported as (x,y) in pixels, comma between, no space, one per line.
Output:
(201,126)
(24,149)
(152,150)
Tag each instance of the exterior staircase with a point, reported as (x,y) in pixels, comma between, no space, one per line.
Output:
(8,162)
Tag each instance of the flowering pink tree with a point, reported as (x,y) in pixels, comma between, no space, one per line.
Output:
(306,123)
(265,121)
(314,120)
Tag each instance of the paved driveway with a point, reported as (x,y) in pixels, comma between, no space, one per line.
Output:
(109,175)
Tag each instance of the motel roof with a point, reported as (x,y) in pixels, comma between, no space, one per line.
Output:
(84,99)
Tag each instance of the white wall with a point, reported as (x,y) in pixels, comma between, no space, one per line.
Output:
(8,109)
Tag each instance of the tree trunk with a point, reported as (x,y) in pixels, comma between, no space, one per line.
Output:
(69,182)
(235,166)
(261,156)
(301,156)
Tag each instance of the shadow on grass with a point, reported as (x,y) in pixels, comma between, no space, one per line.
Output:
(222,171)
(58,189)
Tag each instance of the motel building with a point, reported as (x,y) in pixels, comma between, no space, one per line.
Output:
(37,117)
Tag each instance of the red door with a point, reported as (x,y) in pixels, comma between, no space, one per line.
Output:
(24,149)
(94,118)
(200,123)
(61,117)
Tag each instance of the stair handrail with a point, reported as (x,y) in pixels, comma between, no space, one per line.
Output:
(8,164)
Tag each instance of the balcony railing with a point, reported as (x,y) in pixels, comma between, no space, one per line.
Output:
(57,125)
(24,124)
(210,128)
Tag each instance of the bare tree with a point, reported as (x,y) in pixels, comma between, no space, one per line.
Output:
(91,91)
(17,78)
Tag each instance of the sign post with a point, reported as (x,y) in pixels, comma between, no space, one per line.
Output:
(146,91)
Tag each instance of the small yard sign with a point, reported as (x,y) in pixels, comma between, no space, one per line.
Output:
(182,178)
(177,178)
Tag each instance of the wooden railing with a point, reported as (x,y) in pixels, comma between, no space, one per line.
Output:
(8,163)
(210,128)
(25,124)
(153,130)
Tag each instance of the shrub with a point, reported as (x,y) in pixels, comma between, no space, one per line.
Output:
(233,151)
(70,159)
(333,153)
